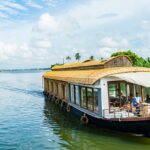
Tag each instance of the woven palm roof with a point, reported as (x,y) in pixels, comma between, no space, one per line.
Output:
(86,63)
(90,76)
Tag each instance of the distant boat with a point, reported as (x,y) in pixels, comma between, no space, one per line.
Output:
(102,93)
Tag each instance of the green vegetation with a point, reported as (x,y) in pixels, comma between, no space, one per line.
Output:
(57,64)
(91,57)
(136,60)
(77,56)
(68,58)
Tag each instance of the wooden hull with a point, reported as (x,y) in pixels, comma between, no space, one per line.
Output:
(130,125)
(140,126)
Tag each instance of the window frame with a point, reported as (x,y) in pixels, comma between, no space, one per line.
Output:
(132,89)
(87,99)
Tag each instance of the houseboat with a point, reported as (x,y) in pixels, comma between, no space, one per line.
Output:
(102,92)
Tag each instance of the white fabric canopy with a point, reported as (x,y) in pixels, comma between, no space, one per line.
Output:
(140,78)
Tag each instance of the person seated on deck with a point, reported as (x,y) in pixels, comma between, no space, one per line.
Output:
(136,102)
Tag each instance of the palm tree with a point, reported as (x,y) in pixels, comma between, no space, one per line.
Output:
(91,58)
(148,59)
(77,56)
(68,58)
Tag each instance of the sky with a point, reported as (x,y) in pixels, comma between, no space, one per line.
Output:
(38,33)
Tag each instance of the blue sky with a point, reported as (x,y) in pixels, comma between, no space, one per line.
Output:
(38,33)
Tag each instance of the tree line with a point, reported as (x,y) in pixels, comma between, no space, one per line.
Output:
(78,57)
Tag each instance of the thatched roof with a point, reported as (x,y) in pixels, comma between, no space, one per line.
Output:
(90,63)
(90,76)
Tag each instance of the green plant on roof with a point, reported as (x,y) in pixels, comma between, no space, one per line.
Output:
(91,57)
(136,60)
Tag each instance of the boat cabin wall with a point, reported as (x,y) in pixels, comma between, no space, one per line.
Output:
(83,96)
(118,62)
(46,85)
(57,88)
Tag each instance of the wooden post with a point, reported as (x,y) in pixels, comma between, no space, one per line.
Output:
(143,95)
(131,95)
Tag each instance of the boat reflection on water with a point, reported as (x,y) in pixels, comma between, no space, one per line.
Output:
(73,135)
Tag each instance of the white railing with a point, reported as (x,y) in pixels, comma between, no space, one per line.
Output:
(141,111)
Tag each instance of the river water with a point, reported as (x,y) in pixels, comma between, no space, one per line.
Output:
(29,122)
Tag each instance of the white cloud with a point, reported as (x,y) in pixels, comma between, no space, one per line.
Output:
(2,15)
(58,26)
(25,51)
(8,10)
(90,14)
(47,23)
(105,52)
(51,3)
(115,42)
(42,43)
(145,24)
(13,5)
(33,4)
(92,27)
(7,50)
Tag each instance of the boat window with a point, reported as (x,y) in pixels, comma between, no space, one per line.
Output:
(83,97)
(113,92)
(128,92)
(72,93)
(52,86)
(95,100)
(77,95)
(123,93)
(123,89)
(63,91)
(66,91)
(56,88)
(47,83)
(90,98)
(147,94)
(119,94)
(138,89)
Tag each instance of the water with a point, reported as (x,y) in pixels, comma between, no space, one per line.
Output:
(29,122)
